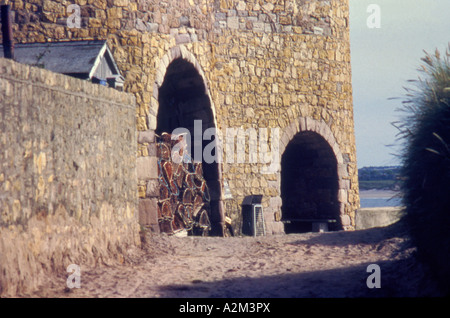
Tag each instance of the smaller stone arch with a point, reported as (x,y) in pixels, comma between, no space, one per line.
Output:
(309,124)
(322,140)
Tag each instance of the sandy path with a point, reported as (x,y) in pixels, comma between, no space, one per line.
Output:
(297,265)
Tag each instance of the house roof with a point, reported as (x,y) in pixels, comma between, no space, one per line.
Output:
(74,57)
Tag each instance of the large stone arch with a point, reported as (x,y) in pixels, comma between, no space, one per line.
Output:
(171,65)
(322,131)
(177,52)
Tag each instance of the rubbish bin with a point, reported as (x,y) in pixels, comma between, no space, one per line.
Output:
(252,216)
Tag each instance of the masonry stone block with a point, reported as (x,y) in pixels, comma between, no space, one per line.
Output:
(342,195)
(151,122)
(147,168)
(148,211)
(233,22)
(275,203)
(146,136)
(258,26)
(153,187)
(345,220)
(182,38)
(343,169)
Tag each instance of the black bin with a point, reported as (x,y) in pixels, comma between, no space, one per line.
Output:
(249,206)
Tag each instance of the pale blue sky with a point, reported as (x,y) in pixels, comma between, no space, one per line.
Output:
(383,59)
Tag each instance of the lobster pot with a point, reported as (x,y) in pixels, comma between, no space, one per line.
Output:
(253,216)
(183,204)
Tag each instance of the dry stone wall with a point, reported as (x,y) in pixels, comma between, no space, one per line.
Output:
(265,64)
(67,175)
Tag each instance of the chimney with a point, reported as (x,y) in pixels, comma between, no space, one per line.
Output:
(8,46)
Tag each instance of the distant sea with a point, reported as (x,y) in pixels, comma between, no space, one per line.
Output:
(379,198)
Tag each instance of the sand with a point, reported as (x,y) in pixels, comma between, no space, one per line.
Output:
(332,264)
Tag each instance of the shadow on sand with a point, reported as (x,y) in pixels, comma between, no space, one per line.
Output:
(399,278)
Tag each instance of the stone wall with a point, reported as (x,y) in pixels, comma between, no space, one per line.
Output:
(67,174)
(367,218)
(265,64)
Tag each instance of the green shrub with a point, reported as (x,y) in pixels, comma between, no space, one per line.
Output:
(425,131)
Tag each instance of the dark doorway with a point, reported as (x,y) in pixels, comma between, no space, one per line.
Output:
(182,101)
(309,183)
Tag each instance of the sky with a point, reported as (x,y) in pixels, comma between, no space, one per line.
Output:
(383,59)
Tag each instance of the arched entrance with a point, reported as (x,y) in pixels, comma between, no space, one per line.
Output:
(309,183)
(184,103)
